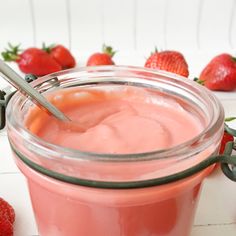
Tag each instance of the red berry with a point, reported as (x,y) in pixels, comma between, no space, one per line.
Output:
(6,211)
(220,73)
(225,139)
(99,59)
(104,58)
(32,60)
(171,61)
(61,55)
(37,62)
(6,228)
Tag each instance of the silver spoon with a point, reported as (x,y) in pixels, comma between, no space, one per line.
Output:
(19,83)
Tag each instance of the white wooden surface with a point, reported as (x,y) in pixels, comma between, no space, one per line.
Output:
(198,28)
(126,24)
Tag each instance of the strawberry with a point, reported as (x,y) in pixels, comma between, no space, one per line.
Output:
(6,211)
(225,139)
(61,55)
(220,73)
(171,61)
(6,228)
(7,218)
(32,60)
(102,58)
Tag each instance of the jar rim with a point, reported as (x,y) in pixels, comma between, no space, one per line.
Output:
(17,126)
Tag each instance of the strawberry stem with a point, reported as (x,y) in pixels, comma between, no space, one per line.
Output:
(49,48)
(230,130)
(11,53)
(108,50)
(234,59)
(199,81)
(228,119)
(155,51)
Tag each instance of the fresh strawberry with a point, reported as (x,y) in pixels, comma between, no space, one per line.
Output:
(7,218)
(102,58)
(225,139)
(32,60)
(220,73)
(61,55)
(6,228)
(6,211)
(171,61)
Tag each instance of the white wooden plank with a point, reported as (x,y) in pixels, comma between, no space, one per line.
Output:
(214,25)
(230,108)
(232,29)
(216,230)
(51,22)
(7,164)
(86,25)
(15,23)
(181,24)
(3,132)
(217,201)
(119,28)
(150,26)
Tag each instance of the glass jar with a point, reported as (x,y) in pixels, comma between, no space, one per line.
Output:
(91,194)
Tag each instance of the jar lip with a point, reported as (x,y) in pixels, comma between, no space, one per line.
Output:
(77,154)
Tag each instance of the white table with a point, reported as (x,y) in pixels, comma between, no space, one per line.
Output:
(216,214)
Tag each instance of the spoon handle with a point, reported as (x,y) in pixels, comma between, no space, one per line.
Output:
(18,82)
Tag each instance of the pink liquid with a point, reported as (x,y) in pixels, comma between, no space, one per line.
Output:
(114,123)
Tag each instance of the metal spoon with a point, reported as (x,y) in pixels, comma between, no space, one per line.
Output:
(18,82)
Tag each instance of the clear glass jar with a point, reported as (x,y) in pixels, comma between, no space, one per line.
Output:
(82,193)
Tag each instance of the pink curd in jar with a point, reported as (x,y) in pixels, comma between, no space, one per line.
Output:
(117,122)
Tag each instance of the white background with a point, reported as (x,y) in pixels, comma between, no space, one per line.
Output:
(198,28)
(83,25)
